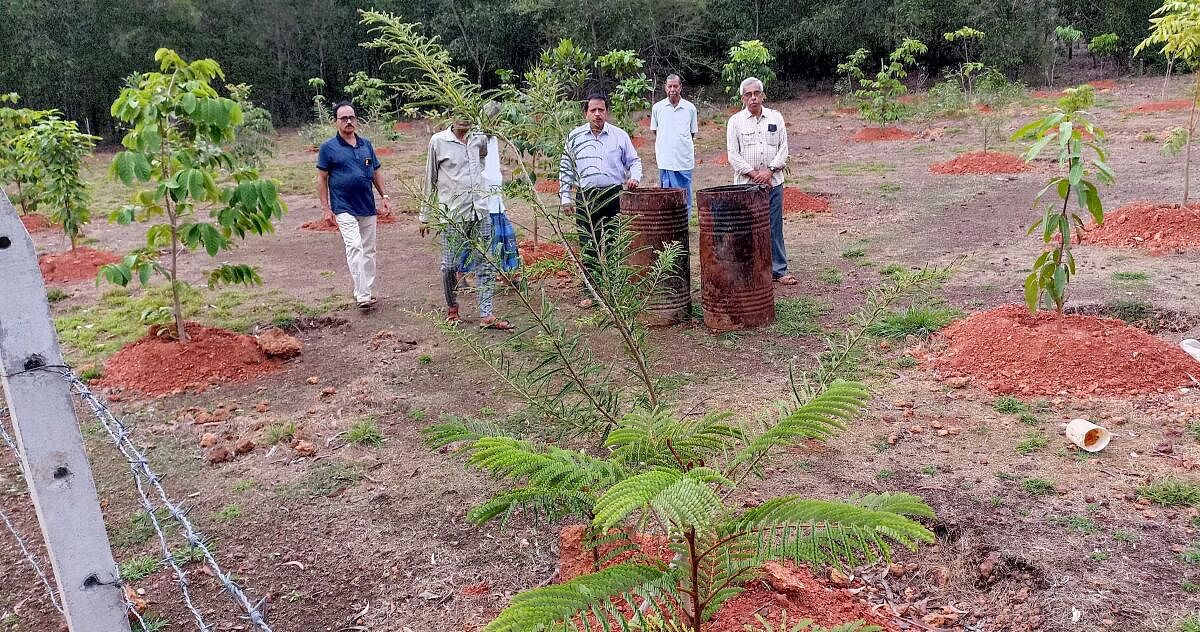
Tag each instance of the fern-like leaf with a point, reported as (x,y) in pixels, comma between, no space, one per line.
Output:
(659,438)
(548,504)
(442,434)
(679,498)
(556,607)
(823,532)
(819,418)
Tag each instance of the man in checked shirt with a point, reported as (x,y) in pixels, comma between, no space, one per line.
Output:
(756,142)
(598,159)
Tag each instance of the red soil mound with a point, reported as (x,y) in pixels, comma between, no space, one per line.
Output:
(159,365)
(981,163)
(1008,350)
(1048,94)
(546,186)
(882,133)
(1104,84)
(80,264)
(403,126)
(532,253)
(784,587)
(638,142)
(845,111)
(324,225)
(385,151)
(1157,227)
(1160,106)
(797,201)
(35,223)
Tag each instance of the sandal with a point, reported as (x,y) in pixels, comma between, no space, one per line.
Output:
(786,279)
(491,322)
(452,315)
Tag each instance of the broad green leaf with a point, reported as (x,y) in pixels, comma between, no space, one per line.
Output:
(1032,291)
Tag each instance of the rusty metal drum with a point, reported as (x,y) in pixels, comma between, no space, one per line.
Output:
(735,257)
(657,218)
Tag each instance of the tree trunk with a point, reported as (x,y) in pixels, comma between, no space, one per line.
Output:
(1187,156)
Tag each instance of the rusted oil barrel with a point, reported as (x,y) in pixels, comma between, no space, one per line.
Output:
(657,218)
(735,257)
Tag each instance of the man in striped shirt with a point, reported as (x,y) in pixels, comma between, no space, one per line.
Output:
(756,142)
(598,159)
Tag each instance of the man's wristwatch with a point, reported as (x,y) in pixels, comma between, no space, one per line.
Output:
(386,196)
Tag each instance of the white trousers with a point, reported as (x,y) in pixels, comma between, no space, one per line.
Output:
(359,235)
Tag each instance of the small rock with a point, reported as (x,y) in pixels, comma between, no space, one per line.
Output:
(783,579)
(943,576)
(208,440)
(262,406)
(244,446)
(1107,622)
(838,578)
(896,569)
(277,344)
(958,382)
(313,380)
(936,425)
(892,439)
(304,448)
(1177,548)
(953,430)
(916,429)
(219,454)
(219,414)
(327,391)
(943,433)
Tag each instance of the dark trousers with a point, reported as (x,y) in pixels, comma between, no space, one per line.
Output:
(596,210)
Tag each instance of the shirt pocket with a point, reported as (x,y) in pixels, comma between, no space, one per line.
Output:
(750,138)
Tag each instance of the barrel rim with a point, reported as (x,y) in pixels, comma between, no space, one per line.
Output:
(731,188)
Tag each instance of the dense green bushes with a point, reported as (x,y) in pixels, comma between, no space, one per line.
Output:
(74,55)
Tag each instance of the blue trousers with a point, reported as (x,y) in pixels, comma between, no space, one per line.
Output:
(779,261)
(678,180)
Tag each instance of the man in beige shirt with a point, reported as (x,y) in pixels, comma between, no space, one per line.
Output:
(454,183)
(756,141)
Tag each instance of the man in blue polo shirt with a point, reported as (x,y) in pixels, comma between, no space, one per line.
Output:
(346,170)
(674,123)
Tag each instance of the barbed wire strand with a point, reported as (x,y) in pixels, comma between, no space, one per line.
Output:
(140,467)
(29,557)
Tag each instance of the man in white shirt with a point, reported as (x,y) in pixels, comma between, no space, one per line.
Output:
(454,182)
(756,142)
(675,124)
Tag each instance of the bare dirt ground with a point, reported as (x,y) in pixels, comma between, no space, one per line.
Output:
(376,536)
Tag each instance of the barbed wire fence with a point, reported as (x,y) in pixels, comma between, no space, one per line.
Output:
(153,498)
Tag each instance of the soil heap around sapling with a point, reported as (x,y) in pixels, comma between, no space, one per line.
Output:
(158,364)
(871,134)
(981,163)
(80,264)
(1175,105)
(797,201)
(326,225)
(1158,228)
(532,253)
(1009,350)
(35,223)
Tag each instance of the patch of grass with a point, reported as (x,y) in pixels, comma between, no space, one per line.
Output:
(56,294)
(1010,404)
(884,475)
(890,187)
(929,470)
(1130,277)
(1171,493)
(228,513)
(93,372)
(425,359)
(1085,525)
(294,178)
(854,253)
(187,555)
(546,268)
(365,432)
(1189,587)
(830,276)
(243,486)
(1038,487)
(798,316)
(892,269)
(1032,443)
(417,414)
(906,362)
(137,568)
(881,444)
(328,478)
(1148,138)
(1098,556)
(862,168)
(153,624)
(1029,419)
(920,321)
(1191,556)
(278,433)
(139,529)
(1193,428)
(1122,536)
(1130,310)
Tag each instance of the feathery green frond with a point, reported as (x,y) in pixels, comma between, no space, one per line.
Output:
(548,466)
(442,434)
(678,498)
(545,503)
(897,503)
(820,418)
(824,532)
(660,439)
(555,607)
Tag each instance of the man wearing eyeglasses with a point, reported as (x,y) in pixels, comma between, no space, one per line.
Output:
(756,142)
(347,168)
